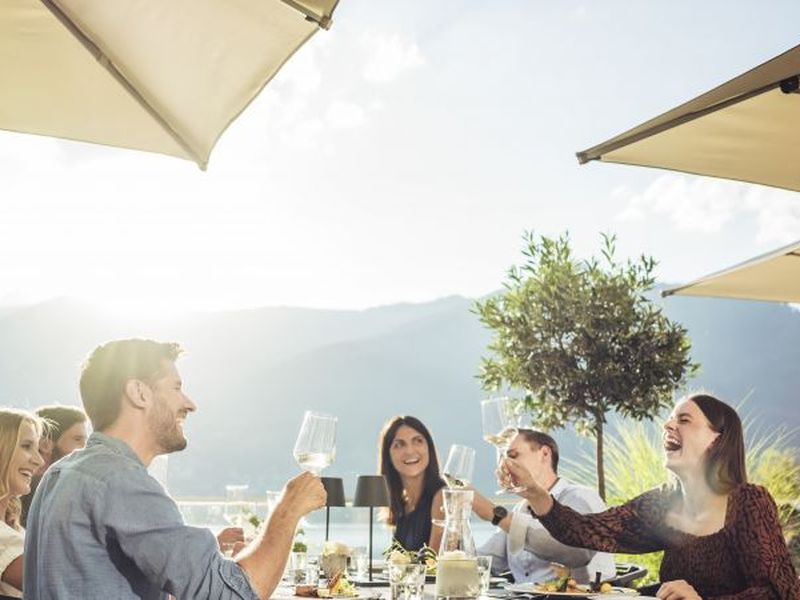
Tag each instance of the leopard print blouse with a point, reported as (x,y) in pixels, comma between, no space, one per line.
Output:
(745,560)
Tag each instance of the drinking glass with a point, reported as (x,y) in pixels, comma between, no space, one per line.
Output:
(237,509)
(359,563)
(312,571)
(460,466)
(298,568)
(484,573)
(315,447)
(406,581)
(500,423)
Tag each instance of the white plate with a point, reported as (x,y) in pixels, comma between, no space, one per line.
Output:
(611,596)
(616,593)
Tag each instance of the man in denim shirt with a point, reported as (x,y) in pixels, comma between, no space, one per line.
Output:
(100,527)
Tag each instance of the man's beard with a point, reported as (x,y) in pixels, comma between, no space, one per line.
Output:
(164,426)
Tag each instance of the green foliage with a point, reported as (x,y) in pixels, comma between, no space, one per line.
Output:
(299,544)
(578,338)
(635,464)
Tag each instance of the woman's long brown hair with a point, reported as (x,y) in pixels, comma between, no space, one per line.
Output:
(432,480)
(725,462)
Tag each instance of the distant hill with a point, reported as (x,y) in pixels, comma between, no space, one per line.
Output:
(254,372)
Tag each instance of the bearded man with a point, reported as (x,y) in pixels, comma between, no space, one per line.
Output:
(101,527)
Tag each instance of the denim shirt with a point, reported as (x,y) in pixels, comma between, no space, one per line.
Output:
(528,549)
(100,527)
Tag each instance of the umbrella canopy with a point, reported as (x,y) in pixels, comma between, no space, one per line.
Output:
(746,129)
(151,75)
(774,277)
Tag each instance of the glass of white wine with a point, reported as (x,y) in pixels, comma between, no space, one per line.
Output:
(500,424)
(460,466)
(315,447)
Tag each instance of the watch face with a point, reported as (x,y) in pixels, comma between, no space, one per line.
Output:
(500,513)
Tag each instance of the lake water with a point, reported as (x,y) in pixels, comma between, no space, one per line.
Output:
(347,524)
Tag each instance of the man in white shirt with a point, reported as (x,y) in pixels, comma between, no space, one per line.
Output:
(523,545)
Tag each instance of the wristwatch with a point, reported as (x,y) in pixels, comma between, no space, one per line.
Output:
(498,514)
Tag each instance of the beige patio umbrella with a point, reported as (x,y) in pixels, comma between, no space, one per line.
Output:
(164,76)
(747,129)
(774,277)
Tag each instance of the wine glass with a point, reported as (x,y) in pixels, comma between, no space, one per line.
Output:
(500,423)
(458,470)
(460,466)
(315,447)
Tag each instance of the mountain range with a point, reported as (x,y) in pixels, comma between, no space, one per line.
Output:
(253,373)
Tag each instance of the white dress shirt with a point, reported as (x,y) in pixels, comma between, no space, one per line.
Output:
(528,549)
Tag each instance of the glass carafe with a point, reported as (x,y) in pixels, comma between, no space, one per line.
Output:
(457,568)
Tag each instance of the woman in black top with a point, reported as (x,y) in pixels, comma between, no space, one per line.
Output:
(407,458)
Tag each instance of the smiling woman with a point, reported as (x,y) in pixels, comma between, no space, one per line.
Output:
(408,461)
(19,460)
(720,535)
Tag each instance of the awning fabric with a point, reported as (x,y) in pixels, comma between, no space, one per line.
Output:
(153,75)
(747,129)
(774,277)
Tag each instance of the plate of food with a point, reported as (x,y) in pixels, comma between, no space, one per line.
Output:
(338,587)
(569,588)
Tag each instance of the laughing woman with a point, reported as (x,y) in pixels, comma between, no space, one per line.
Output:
(720,535)
(19,459)
(407,457)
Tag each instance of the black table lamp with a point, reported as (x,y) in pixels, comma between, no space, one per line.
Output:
(371,491)
(335,489)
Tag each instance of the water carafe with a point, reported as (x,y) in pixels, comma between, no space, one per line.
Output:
(457,568)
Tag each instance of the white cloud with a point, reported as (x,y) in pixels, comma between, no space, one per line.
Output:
(390,55)
(708,205)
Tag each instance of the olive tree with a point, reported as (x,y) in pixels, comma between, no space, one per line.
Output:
(576,339)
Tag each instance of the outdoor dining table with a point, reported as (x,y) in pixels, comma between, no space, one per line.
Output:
(286,592)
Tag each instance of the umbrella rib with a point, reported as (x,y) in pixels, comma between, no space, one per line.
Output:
(790,250)
(324,21)
(597,152)
(109,66)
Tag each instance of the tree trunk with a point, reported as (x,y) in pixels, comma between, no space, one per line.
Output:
(601,475)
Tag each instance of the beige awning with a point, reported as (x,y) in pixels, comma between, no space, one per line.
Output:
(164,76)
(774,277)
(747,129)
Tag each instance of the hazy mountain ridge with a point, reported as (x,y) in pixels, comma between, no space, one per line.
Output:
(253,373)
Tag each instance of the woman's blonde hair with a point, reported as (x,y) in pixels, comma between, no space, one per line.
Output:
(11,420)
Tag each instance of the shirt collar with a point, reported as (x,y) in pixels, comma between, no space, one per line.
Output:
(558,487)
(114,444)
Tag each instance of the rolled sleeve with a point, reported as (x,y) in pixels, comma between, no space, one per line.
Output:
(517,531)
(150,532)
(526,533)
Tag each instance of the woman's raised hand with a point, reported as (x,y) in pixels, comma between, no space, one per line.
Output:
(512,472)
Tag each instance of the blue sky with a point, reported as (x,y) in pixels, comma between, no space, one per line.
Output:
(399,157)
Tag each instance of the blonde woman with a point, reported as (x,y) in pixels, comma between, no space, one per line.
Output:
(19,460)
